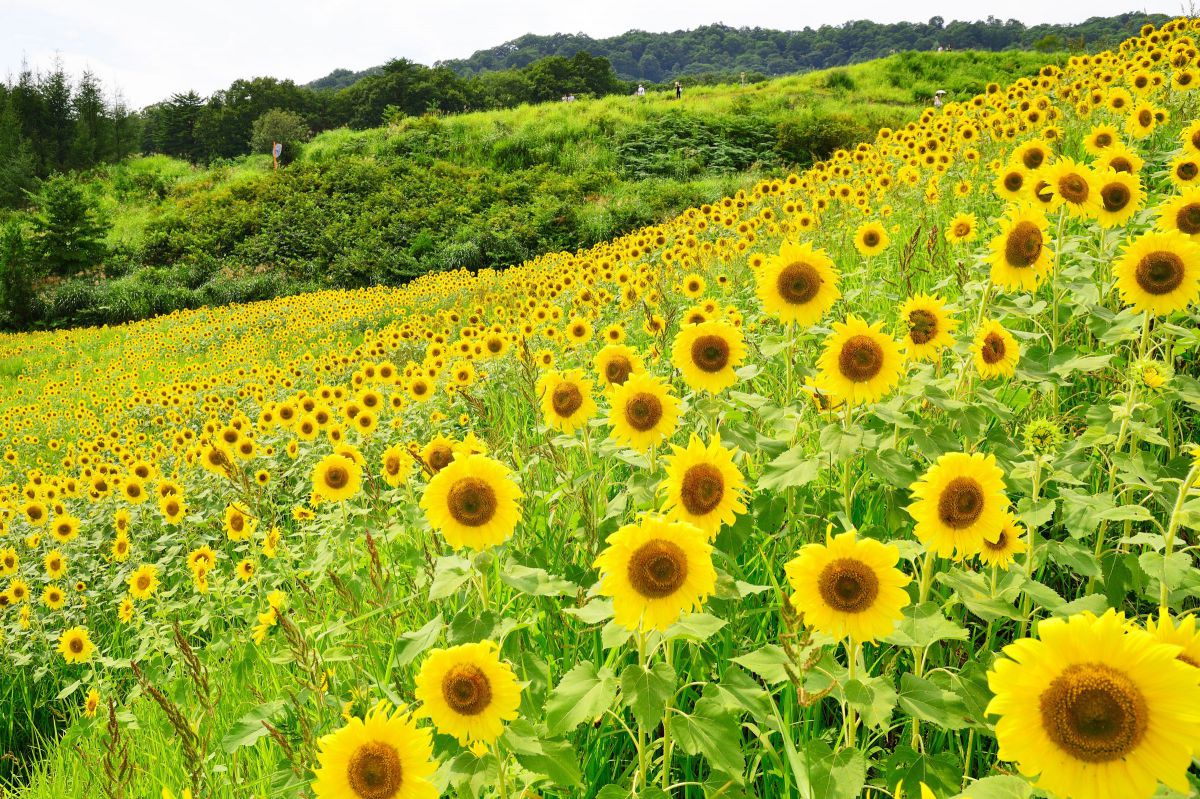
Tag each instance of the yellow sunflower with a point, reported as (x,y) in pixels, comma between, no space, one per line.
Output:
(1120,158)
(848,587)
(1120,197)
(871,239)
(473,503)
(1159,273)
(996,351)
(567,402)
(1100,139)
(336,478)
(1181,214)
(395,465)
(703,486)
(860,363)
(655,570)
(75,646)
(959,504)
(1012,182)
(437,453)
(930,327)
(963,228)
(1011,542)
(643,412)
(468,692)
(384,756)
(1094,710)
(1020,256)
(707,354)
(1181,632)
(1072,185)
(615,363)
(1185,169)
(143,582)
(799,285)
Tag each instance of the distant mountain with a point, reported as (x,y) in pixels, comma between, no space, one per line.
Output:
(639,55)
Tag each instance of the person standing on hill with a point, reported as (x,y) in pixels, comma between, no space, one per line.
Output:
(641,90)
(678,90)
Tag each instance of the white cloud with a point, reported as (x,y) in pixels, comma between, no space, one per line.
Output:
(154,48)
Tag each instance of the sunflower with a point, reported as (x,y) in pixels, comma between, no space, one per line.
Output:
(1032,155)
(871,239)
(959,504)
(930,327)
(172,509)
(848,587)
(655,570)
(567,401)
(1095,710)
(468,692)
(53,597)
(1185,169)
(65,528)
(437,453)
(860,363)
(1181,632)
(384,756)
(707,355)
(239,524)
(963,228)
(1191,137)
(75,646)
(143,582)
(615,363)
(1012,182)
(1159,273)
(703,486)
(1142,120)
(1100,139)
(1020,257)
(395,465)
(643,412)
(799,285)
(996,351)
(1120,197)
(1072,185)
(1010,543)
(473,503)
(1120,158)
(1181,214)
(336,478)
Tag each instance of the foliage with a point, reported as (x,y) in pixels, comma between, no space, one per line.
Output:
(278,126)
(17,276)
(68,235)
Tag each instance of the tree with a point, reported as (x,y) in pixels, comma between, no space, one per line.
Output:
(18,169)
(17,276)
(68,234)
(277,125)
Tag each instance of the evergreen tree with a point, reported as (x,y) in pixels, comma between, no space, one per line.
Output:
(18,169)
(91,143)
(17,276)
(68,234)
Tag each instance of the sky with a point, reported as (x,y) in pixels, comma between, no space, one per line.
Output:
(151,49)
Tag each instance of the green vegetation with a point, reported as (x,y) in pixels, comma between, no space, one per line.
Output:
(477,190)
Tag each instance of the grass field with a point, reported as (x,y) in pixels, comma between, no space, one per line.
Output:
(873,479)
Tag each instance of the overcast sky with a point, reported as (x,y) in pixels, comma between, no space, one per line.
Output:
(151,49)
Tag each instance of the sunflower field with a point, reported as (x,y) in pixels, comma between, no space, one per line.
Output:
(879,480)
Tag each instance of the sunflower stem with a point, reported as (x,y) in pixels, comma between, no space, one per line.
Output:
(1026,606)
(641,729)
(1172,528)
(851,674)
(668,649)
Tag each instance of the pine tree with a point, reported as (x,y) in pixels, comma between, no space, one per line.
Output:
(68,235)
(17,276)
(17,165)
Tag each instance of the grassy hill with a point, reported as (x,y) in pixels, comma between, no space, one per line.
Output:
(475,190)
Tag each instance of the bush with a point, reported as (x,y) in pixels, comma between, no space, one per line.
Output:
(814,136)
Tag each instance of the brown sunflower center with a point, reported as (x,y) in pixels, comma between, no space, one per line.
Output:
(143,582)
(1040,192)
(1073,188)
(710,353)
(861,359)
(440,457)
(1094,713)
(374,771)
(798,283)
(391,465)
(1033,158)
(1187,170)
(1159,272)
(75,645)
(993,349)
(643,411)
(1023,246)
(1013,181)
(1000,544)
(337,477)
(657,569)
(922,326)
(1115,197)
(702,489)
(1103,140)
(961,503)
(617,370)
(1121,164)
(472,502)
(566,399)
(1187,219)
(467,690)
(1145,118)
(962,229)
(871,238)
(848,585)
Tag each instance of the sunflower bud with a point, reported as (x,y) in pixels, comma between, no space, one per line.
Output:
(1043,437)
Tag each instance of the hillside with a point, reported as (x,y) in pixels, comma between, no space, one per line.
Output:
(474,190)
(879,476)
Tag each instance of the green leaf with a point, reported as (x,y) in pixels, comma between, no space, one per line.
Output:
(834,775)
(1075,556)
(581,695)
(696,626)
(1035,515)
(923,625)
(1081,512)
(553,758)
(449,574)
(908,768)
(594,612)
(1166,569)
(711,731)
(974,591)
(249,728)
(1127,513)
(789,470)
(923,700)
(874,699)
(536,582)
(1000,787)
(646,691)
(767,662)
(410,645)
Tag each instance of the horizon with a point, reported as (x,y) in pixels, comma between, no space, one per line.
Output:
(145,74)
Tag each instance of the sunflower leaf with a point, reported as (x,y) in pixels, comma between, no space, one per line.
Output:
(646,691)
(584,693)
